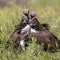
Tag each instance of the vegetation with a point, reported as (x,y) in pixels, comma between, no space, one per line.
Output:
(9,17)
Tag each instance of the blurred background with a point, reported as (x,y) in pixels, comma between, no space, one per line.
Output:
(26,3)
(30,3)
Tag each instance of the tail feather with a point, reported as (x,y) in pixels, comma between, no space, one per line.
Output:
(57,40)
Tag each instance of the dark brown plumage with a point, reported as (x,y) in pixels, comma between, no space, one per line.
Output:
(48,40)
(44,37)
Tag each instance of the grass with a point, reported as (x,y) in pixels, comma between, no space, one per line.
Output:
(9,17)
